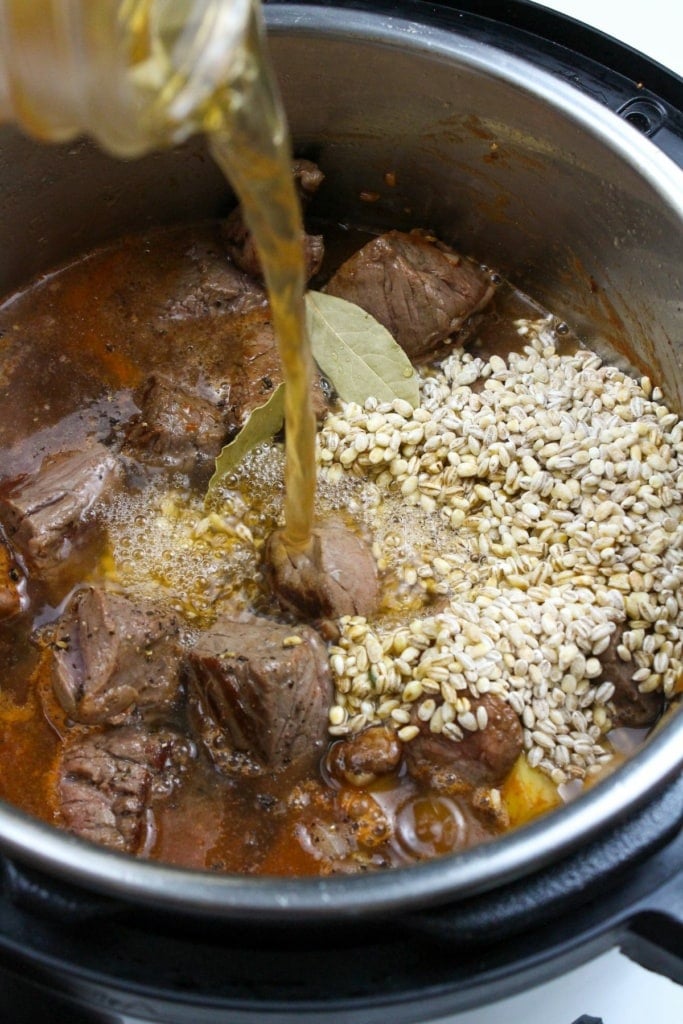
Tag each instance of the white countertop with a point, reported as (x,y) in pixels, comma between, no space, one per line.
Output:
(655,27)
(610,988)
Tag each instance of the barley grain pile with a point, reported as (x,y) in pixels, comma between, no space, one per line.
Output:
(556,481)
(525,518)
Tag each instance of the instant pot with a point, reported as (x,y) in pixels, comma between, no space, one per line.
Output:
(553,154)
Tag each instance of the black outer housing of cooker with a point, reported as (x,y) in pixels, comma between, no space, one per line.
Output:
(75,956)
(67,954)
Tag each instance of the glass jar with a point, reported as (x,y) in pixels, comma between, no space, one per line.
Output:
(133,74)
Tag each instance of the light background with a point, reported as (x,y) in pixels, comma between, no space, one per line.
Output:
(655,27)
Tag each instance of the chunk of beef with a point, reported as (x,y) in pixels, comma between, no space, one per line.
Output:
(177,427)
(629,707)
(418,288)
(258,371)
(481,758)
(107,782)
(261,692)
(242,362)
(110,656)
(13,599)
(171,305)
(239,240)
(210,285)
(48,515)
(240,245)
(335,575)
(360,758)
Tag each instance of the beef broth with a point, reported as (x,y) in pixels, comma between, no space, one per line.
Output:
(158,695)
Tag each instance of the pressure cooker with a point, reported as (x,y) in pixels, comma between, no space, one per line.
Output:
(554,155)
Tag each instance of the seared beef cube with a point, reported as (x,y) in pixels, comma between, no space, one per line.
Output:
(418,288)
(360,758)
(209,285)
(106,783)
(257,372)
(261,691)
(257,369)
(335,575)
(629,707)
(111,656)
(184,426)
(481,758)
(177,427)
(13,598)
(48,515)
(240,243)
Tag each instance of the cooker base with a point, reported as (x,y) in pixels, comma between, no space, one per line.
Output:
(130,961)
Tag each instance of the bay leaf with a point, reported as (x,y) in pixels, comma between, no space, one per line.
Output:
(262,423)
(356,353)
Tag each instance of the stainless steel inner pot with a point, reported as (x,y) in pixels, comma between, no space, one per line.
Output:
(509,164)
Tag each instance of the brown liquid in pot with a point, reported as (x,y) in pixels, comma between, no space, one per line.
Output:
(75,345)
